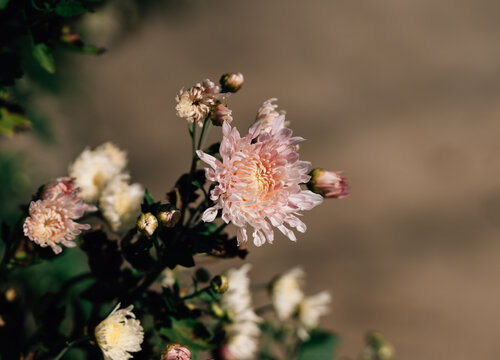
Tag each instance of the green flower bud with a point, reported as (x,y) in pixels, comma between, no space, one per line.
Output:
(219,284)
(232,82)
(147,223)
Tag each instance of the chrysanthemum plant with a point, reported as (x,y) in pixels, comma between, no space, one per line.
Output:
(135,294)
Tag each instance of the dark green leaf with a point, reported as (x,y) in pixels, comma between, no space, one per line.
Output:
(320,346)
(70,8)
(148,198)
(43,54)
(188,332)
(3,4)
(10,122)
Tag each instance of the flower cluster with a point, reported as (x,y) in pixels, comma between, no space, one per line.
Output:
(102,176)
(290,302)
(51,219)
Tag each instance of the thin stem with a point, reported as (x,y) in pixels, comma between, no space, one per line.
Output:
(69,345)
(196,293)
(204,132)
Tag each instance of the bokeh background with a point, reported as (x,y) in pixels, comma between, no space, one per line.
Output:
(403,96)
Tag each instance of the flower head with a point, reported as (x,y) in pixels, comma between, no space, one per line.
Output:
(259,182)
(119,334)
(268,114)
(220,113)
(147,223)
(328,184)
(176,352)
(93,169)
(311,308)
(51,219)
(286,293)
(120,203)
(194,104)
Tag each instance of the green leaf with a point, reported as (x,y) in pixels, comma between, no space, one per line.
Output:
(187,332)
(148,198)
(70,8)
(3,4)
(43,54)
(320,346)
(10,122)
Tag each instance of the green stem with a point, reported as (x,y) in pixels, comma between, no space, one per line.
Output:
(196,293)
(204,132)
(68,346)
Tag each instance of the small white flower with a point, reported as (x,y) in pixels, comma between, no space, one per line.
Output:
(244,331)
(310,310)
(286,293)
(119,334)
(93,169)
(120,203)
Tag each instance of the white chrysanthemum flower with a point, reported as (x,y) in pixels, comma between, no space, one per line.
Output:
(119,334)
(310,310)
(93,169)
(286,293)
(243,332)
(120,203)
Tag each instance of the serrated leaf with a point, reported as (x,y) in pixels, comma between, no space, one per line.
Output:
(43,54)
(10,122)
(320,346)
(70,8)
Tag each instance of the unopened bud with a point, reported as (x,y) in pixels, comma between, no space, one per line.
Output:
(10,294)
(169,218)
(216,310)
(147,223)
(176,352)
(382,349)
(219,284)
(231,82)
(328,184)
(220,113)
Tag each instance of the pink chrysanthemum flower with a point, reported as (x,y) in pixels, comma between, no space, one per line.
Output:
(259,182)
(51,219)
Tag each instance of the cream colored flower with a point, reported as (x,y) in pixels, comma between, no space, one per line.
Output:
(120,203)
(310,310)
(119,334)
(244,331)
(286,293)
(268,114)
(93,169)
(193,104)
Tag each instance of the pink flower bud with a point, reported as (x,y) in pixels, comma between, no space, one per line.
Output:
(219,114)
(169,218)
(328,184)
(232,82)
(176,352)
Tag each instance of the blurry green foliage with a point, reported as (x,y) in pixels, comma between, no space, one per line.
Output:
(15,183)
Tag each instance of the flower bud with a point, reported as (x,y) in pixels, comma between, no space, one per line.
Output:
(219,284)
(216,310)
(231,82)
(219,114)
(147,223)
(382,349)
(10,294)
(176,352)
(169,218)
(328,184)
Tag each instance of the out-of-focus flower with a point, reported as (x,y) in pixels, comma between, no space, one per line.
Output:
(169,218)
(63,187)
(267,115)
(147,223)
(51,220)
(220,113)
(286,293)
(194,104)
(311,308)
(119,334)
(93,169)
(176,352)
(243,331)
(378,347)
(328,184)
(120,203)
(232,82)
(259,182)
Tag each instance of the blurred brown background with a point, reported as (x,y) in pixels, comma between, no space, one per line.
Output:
(401,95)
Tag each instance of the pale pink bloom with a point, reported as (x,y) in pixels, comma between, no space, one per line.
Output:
(194,104)
(51,223)
(259,182)
(268,114)
(51,219)
(329,184)
(221,113)
(232,82)
(176,352)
